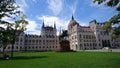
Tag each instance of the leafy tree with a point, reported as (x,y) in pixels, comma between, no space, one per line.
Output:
(8,8)
(20,26)
(5,37)
(115,20)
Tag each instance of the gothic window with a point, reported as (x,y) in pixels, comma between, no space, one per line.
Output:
(20,47)
(36,41)
(40,36)
(33,41)
(16,47)
(99,45)
(26,41)
(84,44)
(83,36)
(29,41)
(20,43)
(8,47)
(17,39)
(86,36)
(43,40)
(80,35)
(89,36)
(39,40)
(21,40)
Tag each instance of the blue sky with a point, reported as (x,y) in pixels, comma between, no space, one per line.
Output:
(60,12)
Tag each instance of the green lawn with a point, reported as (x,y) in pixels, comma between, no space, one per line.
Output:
(63,60)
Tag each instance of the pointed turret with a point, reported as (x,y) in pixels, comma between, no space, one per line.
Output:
(72,17)
(43,24)
(54,25)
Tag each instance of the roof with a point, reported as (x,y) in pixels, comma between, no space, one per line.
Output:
(72,22)
(48,28)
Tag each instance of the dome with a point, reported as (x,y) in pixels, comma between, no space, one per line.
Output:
(72,22)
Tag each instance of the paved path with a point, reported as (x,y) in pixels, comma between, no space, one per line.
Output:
(104,50)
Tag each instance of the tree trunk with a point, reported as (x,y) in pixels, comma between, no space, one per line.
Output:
(12,50)
(4,46)
(13,42)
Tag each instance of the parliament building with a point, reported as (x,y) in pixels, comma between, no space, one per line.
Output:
(79,37)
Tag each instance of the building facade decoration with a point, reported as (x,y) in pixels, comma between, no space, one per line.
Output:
(79,38)
(90,37)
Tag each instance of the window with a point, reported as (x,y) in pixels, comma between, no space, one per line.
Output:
(39,40)
(26,41)
(21,40)
(33,41)
(84,44)
(86,36)
(80,35)
(16,47)
(99,45)
(89,36)
(29,41)
(36,41)
(8,47)
(83,36)
(17,39)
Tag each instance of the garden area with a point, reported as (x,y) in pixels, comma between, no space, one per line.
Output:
(63,60)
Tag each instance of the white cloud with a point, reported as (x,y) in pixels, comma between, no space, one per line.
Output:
(49,21)
(100,6)
(83,23)
(31,27)
(55,6)
(74,6)
(35,32)
(7,19)
(23,5)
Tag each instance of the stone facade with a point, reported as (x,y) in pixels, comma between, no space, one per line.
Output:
(90,37)
(46,41)
(79,37)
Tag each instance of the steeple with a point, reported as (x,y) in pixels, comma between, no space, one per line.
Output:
(54,25)
(72,17)
(43,24)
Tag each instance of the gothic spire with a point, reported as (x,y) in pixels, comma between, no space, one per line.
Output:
(54,25)
(72,17)
(43,24)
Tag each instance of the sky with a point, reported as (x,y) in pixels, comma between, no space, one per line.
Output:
(61,11)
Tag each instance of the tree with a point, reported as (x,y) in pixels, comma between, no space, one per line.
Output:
(8,8)
(19,26)
(5,37)
(115,20)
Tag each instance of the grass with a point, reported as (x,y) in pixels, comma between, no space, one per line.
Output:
(63,60)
